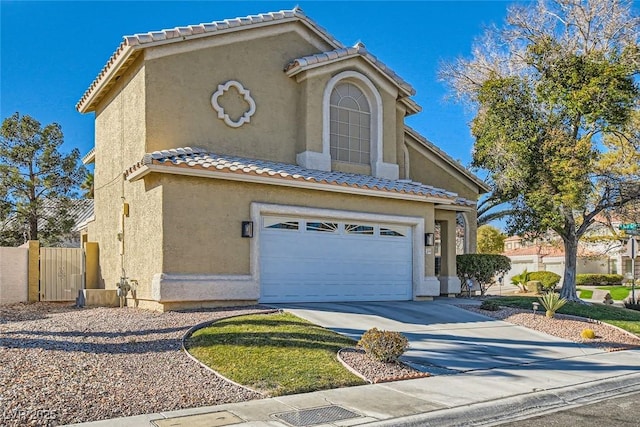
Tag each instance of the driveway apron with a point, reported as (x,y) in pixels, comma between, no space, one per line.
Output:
(443,338)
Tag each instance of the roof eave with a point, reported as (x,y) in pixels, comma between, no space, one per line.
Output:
(90,157)
(145,169)
(131,44)
(92,95)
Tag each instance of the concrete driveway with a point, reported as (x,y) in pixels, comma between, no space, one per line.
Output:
(443,338)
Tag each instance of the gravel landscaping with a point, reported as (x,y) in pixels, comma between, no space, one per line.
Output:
(608,338)
(62,365)
(375,371)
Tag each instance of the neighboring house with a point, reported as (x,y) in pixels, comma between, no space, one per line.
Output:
(80,210)
(260,159)
(599,252)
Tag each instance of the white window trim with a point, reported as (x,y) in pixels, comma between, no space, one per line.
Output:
(322,161)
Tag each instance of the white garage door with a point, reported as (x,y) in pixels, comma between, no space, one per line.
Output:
(305,260)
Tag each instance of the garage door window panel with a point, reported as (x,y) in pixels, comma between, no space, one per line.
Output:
(323,227)
(281,223)
(391,231)
(359,229)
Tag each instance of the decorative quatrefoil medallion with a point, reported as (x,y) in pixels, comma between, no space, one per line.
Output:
(244,93)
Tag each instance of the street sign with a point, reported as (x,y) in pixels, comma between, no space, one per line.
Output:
(629,227)
(632,248)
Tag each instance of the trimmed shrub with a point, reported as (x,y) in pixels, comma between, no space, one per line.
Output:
(598,279)
(385,346)
(490,305)
(482,268)
(548,279)
(588,334)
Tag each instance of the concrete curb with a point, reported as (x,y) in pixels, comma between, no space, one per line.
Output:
(503,410)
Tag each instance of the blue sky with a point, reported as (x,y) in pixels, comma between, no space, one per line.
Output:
(51,51)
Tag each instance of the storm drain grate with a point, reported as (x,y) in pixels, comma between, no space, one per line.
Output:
(315,416)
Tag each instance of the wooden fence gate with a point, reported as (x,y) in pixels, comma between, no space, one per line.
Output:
(61,273)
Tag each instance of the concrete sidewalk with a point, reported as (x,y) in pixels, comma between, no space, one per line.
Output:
(474,398)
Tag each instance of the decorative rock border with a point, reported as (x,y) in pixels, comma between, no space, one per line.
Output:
(404,371)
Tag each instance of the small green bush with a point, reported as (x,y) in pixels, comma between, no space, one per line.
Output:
(552,302)
(490,305)
(598,279)
(548,279)
(588,334)
(385,346)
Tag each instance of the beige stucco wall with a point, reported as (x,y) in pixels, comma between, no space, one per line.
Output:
(429,169)
(187,225)
(202,219)
(14,275)
(180,85)
(120,128)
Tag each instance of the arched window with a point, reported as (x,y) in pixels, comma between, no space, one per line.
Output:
(350,124)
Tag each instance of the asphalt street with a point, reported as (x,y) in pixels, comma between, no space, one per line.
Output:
(621,411)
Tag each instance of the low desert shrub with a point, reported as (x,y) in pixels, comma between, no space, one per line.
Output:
(598,279)
(552,303)
(385,346)
(588,334)
(548,279)
(490,305)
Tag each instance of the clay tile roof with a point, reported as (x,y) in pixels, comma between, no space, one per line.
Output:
(131,45)
(201,159)
(359,49)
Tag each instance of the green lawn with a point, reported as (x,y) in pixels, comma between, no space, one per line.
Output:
(629,320)
(585,293)
(276,354)
(618,293)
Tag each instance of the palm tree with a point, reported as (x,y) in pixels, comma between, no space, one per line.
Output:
(87,186)
(488,204)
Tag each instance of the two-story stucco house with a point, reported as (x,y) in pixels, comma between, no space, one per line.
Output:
(260,159)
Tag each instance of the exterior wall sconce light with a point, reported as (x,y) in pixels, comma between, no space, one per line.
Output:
(247,228)
(429,239)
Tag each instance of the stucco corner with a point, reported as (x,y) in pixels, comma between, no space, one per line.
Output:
(386,170)
(314,160)
(450,285)
(428,287)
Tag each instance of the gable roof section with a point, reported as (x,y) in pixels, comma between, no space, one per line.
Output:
(358,51)
(448,159)
(131,46)
(200,162)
